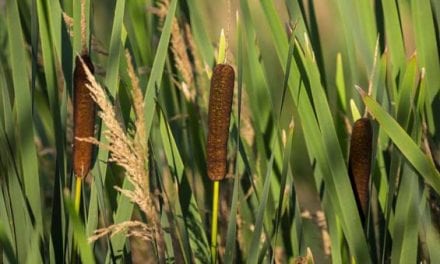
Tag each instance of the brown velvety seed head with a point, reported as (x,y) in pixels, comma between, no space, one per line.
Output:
(84,118)
(360,162)
(220,103)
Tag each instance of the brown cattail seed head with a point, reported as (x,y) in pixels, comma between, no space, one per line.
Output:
(360,162)
(220,103)
(84,118)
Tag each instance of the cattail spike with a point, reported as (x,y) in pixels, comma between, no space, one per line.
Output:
(220,103)
(84,118)
(360,162)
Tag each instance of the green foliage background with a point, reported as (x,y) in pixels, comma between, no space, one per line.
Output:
(295,96)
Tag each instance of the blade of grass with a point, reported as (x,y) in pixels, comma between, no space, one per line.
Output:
(232,220)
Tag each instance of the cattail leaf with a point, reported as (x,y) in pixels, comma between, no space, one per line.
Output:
(24,114)
(78,43)
(14,206)
(79,234)
(393,35)
(199,29)
(117,40)
(192,237)
(407,93)
(284,174)
(139,28)
(257,86)
(5,232)
(34,255)
(53,114)
(427,45)
(6,245)
(231,232)
(431,233)
(406,145)
(340,82)
(156,72)
(232,220)
(407,215)
(286,166)
(222,48)
(357,21)
(354,110)
(254,247)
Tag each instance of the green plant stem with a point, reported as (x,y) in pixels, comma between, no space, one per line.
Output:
(77,194)
(214,221)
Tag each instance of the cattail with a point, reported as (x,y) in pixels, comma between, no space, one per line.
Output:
(84,118)
(220,103)
(360,162)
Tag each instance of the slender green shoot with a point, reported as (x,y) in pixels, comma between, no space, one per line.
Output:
(214,221)
(78,183)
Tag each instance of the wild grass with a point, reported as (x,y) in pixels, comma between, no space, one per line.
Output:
(305,72)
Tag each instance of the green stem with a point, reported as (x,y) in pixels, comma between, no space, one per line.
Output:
(214,222)
(77,194)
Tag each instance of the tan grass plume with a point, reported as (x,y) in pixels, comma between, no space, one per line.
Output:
(131,155)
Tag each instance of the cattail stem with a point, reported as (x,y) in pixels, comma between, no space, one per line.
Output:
(214,221)
(78,183)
